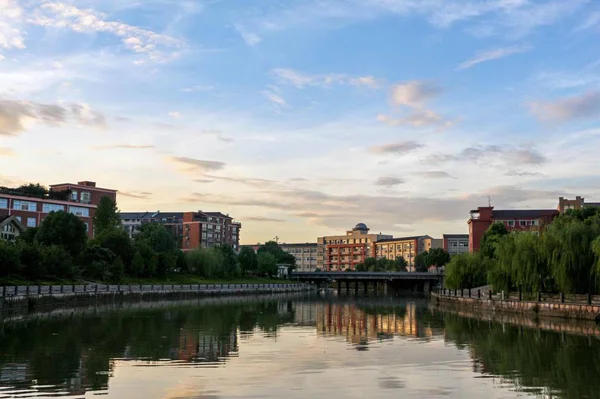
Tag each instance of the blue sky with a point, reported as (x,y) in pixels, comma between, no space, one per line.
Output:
(304,117)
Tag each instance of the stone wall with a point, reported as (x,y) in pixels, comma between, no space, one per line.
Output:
(542,309)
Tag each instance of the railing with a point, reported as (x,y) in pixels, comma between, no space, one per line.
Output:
(520,296)
(64,290)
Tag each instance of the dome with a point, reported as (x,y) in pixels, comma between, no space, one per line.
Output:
(361,226)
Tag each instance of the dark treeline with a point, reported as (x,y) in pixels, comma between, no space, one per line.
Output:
(59,250)
(55,351)
(563,257)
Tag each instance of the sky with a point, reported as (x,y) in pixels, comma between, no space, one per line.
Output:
(302,118)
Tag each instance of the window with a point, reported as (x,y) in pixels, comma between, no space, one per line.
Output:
(511,223)
(522,223)
(24,206)
(47,208)
(87,227)
(73,195)
(31,222)
(464,244)
(78,211)
(452,243)
(86,197)
(3,203)
(19,218)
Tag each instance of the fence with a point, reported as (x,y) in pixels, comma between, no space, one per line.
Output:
(103,289)
(520,296)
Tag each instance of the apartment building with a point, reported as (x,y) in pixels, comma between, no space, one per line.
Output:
(80,199)
(456,243)
(341,252)
(405,247)
(578,203)
(305,254)
(531,220)
(191,230)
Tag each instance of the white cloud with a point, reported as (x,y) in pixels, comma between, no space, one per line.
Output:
(11,14)
(414,93)
(196,88)
(301,80)
(491,55)
(417,118)
(175,114)
(251,39)
(400,148)
(586,105)
(592,21)
(275,98)
(61,15)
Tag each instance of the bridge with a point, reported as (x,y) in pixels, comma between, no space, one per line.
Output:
(384,281)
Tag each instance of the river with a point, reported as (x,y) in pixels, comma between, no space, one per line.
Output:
(288,347)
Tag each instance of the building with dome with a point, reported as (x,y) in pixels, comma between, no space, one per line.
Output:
(342,252)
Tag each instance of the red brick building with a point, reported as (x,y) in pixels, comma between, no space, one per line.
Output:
(80,199)
(532,220)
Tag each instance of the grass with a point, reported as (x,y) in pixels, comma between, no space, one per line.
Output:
(175,279)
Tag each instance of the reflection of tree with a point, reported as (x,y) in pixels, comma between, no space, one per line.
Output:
(77,354)
(533,360)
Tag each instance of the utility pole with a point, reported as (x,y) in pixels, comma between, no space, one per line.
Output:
(276,239)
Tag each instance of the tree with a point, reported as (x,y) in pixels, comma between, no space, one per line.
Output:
(157,237)
(490,238)
(229,260)
(466,271)
(280,255)
(421,262)
(65,230)
(33,190)
(137,265)
(10,263)
(57,261)
(30,254)
(119,243)
(28,235)
(106,216)
(97,262)
(267,264)
(116,270)
(400,264)
(437,257)
(248,260)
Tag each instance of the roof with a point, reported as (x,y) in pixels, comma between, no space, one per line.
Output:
(401,239)
(592,204)
(4,220)
(523,214)
(361,226)
(456,236)
(150,215)
(91,188)
(305,244)
(216,214)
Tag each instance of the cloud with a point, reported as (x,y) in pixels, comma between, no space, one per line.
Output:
(11,36)
(435,174)
(522,155)
(592,21)
(251,39)
(400,148)
(197,88)
(275,98)
(123,147)
(135,194)
(263,219)
(417,118)
(84,115)
(387,181)
(6,152)
(414,94)
(586,105)
(218,134)
(250,181)
(204,181)
(136,39)
(301,80)
(522,173)
(192,165)
(175,114)
(491,55)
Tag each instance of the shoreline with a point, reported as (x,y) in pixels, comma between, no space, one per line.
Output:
(555,310)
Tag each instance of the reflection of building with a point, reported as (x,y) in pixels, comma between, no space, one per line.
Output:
(12,373)
(456,243)
(305,254)
(305,313)
(196,346)
(405,247)
(343,252)
(357,326)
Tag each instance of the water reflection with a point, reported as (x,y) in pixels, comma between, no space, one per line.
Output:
(400,347)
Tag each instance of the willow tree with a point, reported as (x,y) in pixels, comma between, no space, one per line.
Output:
(569,252)
(466,271)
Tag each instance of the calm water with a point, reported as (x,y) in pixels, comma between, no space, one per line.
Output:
(289,348)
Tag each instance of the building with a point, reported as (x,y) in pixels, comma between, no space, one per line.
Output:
(532,220)
(578,203)
(456,243)
(80,199)
(405,247)
(305,254)
(341,252)
(10,228)
(191,230)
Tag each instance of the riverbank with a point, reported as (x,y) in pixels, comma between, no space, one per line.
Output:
(577,311)
(174,279)
(32,297)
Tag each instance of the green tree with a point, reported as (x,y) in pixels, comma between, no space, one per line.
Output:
(119,243)
(137,265)
(57,261)
(96,262)
(267,264)
(34,190)
(116,270)
(28,235)
(421,264)
(157,237)
(466,271)
(65,230)
(10,262)
(31,258)
(229,260)
(490,238)
(248,260)
(400,264)
(106,216)
(280,255)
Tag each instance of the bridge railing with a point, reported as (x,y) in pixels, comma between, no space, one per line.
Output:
(78,289)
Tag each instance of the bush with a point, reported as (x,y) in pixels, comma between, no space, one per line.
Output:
(137,265)
(10,263)
(31,260)
(57,262)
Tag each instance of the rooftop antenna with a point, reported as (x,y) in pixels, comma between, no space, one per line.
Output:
(276,239)
(489,201)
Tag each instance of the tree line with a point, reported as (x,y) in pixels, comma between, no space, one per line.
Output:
(563,257)
(436,257)
(59,249)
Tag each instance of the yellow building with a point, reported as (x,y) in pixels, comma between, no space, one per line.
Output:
(405,247)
